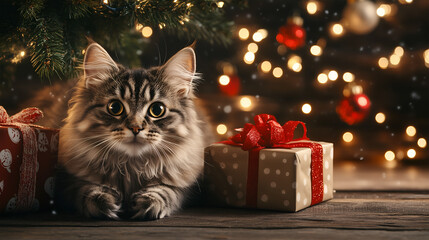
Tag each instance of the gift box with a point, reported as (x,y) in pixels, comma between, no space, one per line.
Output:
(28,155)
(264,167)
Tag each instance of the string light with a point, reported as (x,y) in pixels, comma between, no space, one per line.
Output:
(221,129)
(243,34)
(277,72)
(106,1)
(316,50)
(265,66)
(426,57)
(322,78)
(220,4)
(363,101)
(306,108)
(337,29)
(263,32)
(22,53)
(147,32)
(383,62)
(411,153)
(348,137)
(394,59)
(139,26)
(348,77)
(245,103)
(252,47)
(294,63)
(332,75)
(161,25)
(224,80)
(312,7)
(399,51)
(389,155)
(257,37)
(249,57)
(421,142)
(380,117)
(411,131)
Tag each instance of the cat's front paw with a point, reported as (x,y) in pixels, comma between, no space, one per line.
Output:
(148,206)
(102,202)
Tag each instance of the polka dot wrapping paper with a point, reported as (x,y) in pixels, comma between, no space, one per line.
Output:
(12,152)
(284,180)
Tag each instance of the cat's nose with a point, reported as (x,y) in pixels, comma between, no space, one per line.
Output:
(135,129)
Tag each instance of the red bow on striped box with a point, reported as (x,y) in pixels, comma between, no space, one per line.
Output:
(264,167)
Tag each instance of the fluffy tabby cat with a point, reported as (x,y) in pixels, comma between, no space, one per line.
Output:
(132,143)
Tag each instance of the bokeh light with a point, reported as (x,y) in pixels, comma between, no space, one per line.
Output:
(348,137)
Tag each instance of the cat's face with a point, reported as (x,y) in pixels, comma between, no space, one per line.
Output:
(136,112)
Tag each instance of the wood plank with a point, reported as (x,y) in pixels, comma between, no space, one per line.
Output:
(348,211)
(131,233)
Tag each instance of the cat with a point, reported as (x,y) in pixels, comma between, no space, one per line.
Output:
(133,140)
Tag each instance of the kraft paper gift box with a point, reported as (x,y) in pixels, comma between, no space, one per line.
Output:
(289,175)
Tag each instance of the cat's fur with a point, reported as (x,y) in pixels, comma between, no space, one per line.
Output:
(133,164)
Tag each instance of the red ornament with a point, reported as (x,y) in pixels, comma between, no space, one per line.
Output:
(291,35)
(353,109)
(232,88)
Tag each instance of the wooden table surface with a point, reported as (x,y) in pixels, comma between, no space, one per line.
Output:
(350,215)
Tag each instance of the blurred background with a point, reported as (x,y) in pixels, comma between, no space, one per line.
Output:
(356,72)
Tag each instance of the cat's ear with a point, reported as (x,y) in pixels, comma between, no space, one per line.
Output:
(179,71)
(97,65)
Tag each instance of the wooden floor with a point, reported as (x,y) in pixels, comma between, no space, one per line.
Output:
(350,215)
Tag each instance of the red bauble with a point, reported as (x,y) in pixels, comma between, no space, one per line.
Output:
(232,88)
(354,109)
(291,35)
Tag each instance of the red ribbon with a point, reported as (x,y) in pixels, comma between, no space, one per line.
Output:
(27,181)
(268,133)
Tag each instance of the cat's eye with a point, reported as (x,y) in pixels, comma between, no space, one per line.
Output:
(157,110)
(115,108)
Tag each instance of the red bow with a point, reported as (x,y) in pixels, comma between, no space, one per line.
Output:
(267,132)
(28,115)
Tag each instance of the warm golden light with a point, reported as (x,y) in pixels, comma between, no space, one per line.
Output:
(426,57)
(389,155)
(337,29)
(22,53)
(394,59)
(297,67)
(362,101)
(348,137)
(257,37)
(381,12)
(332,75)
(322,78)
(411,153)
(316,50)
(383,63)
(245,102)
(139,26)
(252,47)
(106,1)
(220,4)
(306,108)
(263,32)
(411,131)
(294,63)
(224,80)
(399,51)
(147,31)
(277,72)
(221,129)
(421,142)
(249,57)
(311,7)
(380,117)
(265,66)
(348,77)
(243,34)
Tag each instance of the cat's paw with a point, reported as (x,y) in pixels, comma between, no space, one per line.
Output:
(149,206)
(102,202)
